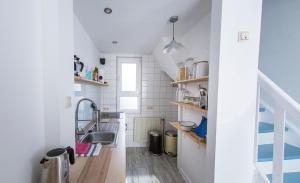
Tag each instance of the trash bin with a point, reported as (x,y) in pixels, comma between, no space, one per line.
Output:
(155,145)
(171,143)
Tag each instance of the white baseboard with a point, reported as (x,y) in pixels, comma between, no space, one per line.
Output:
(184,176)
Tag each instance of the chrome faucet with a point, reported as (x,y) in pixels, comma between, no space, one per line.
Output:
(95,116)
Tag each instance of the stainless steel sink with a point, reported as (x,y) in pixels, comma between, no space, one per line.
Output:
(103,137)
(110,115)
(107,135)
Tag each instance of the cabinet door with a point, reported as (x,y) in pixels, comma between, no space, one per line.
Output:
(192,160)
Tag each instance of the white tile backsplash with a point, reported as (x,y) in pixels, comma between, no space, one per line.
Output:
(156,93)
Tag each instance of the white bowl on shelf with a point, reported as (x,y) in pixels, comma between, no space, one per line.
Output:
(187,125)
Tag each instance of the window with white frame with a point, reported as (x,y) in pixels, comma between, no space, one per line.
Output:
(129,84)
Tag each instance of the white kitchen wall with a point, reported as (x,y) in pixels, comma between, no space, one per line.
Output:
(85,49)
(21,108)
(84,46)
(58,72)
(156,93)
(232,91)
(197,39)
(31,40)
(190,153)
(92,92)
(280,44)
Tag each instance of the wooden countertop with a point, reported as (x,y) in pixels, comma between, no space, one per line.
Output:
(108,167)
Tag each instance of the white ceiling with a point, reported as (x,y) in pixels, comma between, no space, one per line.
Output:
(137,25)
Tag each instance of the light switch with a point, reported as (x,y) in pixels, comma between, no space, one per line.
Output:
(68,101)
(243,36)
(150,107)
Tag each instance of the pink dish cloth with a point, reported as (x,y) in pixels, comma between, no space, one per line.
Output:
(87,150)
(82,148)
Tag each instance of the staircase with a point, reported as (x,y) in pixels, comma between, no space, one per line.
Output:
(278,141)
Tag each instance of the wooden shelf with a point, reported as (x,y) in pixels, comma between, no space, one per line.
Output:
(190,134)
(84,80)
(204,78)
(189,106)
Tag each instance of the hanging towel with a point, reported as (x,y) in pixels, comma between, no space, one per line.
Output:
(87,150)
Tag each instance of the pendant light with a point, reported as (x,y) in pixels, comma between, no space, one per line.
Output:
(173,45)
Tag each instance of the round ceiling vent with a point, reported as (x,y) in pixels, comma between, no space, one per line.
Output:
(108,10)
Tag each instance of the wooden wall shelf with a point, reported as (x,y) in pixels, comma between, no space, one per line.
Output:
(84,80)
(190,134)
(189,106)
(204,78)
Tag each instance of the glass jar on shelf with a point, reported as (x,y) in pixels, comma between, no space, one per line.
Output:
(182,71)
(189,67)
(196,101)
(186,95)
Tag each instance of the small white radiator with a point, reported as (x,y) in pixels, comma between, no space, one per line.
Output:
(143,125)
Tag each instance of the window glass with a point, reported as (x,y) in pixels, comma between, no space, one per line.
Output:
(128,77)
(129,84)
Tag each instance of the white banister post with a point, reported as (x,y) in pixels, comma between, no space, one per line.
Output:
(257,122)
(278,148)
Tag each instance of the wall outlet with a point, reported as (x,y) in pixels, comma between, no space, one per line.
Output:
(150,107)
(243,36)
(104,109)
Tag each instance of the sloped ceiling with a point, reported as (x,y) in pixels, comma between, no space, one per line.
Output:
(196,42)
(138,25)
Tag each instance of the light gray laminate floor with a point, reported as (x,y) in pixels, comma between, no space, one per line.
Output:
(142,167)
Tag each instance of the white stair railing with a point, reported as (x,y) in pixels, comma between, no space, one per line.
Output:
(283,105)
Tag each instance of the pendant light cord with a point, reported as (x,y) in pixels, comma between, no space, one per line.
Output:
(173,31)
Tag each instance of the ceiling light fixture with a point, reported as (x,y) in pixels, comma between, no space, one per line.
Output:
(108,10)
(173,45)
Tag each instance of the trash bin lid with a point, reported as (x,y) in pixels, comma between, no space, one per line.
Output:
(155,133)
(171,133)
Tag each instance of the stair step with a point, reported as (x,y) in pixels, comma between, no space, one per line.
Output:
(292,177)
(262,109)
(265,127)
(265,152)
